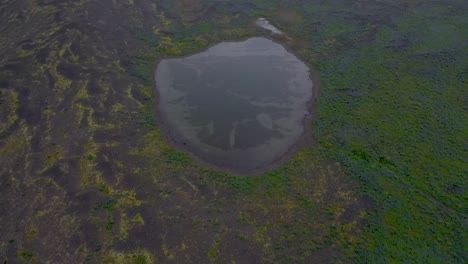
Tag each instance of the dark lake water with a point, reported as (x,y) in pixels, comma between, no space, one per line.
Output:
(238,105)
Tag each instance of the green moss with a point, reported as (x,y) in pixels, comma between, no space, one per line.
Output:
(140,259)
(167,252)
(385,135)
(31,233)
(25,254)
(109,225)
(179,158)
(148,117)
(10,98)
(213,253)
(89,175)
(204,27)
(135,257)
(126,224)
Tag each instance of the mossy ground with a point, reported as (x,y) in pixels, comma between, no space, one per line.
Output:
(86,175)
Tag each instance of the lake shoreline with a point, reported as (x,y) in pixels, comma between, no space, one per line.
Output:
(304,140)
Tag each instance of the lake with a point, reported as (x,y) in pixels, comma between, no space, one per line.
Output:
(240,106)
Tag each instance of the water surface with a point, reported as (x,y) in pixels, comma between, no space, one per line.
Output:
(238,105)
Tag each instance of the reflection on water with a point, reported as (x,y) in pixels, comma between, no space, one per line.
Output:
(238,104)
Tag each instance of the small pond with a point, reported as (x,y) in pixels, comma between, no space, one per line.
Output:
(240,106)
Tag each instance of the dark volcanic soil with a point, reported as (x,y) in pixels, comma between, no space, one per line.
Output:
(86,175)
